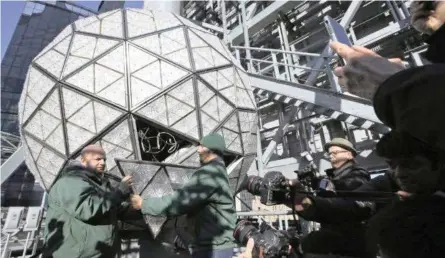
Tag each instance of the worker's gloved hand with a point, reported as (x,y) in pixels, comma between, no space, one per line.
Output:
(365,70)
(427,16)
(124,186)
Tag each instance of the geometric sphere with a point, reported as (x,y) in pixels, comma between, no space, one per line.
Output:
(103,73)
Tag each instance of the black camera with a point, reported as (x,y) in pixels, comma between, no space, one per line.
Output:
(273,188)
(308,176)
(269,242)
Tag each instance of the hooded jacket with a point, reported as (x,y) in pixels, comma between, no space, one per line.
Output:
(82,215)
(208,202)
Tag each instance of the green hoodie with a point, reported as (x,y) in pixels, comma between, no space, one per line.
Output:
(208,201)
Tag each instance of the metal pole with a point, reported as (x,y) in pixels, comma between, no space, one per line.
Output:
(286,57)
(5,246)
(25,248)
(259,153)
(281,121)
(393,12)
(246,35)
(224,20)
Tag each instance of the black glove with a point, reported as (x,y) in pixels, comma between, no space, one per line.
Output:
(298,190)
(124,189)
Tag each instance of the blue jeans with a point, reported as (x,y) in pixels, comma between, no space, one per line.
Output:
(219,253)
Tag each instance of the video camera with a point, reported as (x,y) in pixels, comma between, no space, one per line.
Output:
(269,242)
(308,176)
(273,188)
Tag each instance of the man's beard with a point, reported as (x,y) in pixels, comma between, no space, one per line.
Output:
(95,168)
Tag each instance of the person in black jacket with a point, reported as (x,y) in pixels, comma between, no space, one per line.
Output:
(341,238)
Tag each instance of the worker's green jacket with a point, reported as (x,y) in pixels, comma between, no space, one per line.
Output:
(82,215)
(208,202)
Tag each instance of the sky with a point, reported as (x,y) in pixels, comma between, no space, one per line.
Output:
(11,11)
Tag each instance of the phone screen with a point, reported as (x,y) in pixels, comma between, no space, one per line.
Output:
(337,33)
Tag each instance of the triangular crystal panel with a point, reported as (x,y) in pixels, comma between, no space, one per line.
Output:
(184,92)
(113,151)
(114,60)
(84,49)
(104,115)
(178,175)
(38,85)
(220,79)
(156,110)
(243,99)
(205,93)
(90,24)
(141,91)
(112,25)
(176,110)
(73,101)
(232,123)
(212,40)
(223,108)
(171,74)
(116,93)
(211,108)
(120,136)
(208,123)
(181,57)
(172,40)
(84,79)
(84,118)
(165,20)
(248,121)
(139,22)
(151,74)
(141,173)
(230,94)
(150,43)
(159,186)
(61,36)
(104,77)
(77,136)
(139,58)
(188,125)
(53,60)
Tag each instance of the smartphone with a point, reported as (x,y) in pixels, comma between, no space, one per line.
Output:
(336,33)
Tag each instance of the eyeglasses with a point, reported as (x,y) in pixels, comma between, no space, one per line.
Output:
(333,153)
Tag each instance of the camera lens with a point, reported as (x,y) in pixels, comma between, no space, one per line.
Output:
(254,185)
(243,231)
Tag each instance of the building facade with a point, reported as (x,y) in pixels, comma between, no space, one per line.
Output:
(39,23)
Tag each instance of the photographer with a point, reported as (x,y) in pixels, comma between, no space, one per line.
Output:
(342,238)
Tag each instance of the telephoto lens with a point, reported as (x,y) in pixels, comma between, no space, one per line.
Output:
(254,185)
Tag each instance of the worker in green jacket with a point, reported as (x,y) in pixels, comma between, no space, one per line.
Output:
(206,199)
(83,210)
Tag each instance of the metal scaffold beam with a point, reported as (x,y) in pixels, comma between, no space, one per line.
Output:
(324,99)
(346,104)
(260,20)
(12,163)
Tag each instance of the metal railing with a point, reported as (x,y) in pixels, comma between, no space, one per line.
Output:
(282,64)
